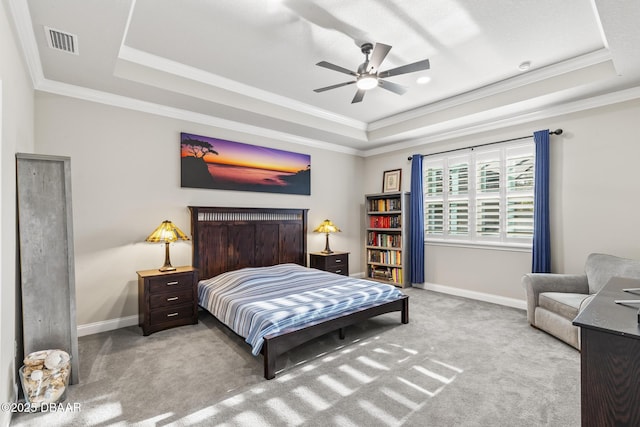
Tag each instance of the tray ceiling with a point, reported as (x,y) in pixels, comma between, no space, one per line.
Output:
(250,65)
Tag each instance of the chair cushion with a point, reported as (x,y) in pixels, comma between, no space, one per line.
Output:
(566,305)
(600,268)
(558,326)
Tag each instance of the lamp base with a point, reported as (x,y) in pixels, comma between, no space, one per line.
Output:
(327,249)
(167,262)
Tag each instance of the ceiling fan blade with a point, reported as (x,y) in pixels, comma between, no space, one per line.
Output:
(380,52)
(335,67)
(322,89)
(359,95)
(393,87)
(409,68)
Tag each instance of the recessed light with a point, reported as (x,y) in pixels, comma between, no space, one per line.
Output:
(423,80)
(524,66)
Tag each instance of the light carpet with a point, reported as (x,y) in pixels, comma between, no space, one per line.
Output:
(458,362)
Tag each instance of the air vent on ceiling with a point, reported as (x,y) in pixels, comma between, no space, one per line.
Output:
(60,40)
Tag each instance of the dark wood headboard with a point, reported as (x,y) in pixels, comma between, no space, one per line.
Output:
(226,239)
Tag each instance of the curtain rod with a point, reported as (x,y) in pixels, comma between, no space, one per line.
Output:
(555,132)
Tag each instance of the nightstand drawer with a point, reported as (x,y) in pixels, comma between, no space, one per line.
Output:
(171,314)
(171,283)
(336,262)
(168,299)
(338,269)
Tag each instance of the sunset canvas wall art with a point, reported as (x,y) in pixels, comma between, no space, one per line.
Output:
(208,162)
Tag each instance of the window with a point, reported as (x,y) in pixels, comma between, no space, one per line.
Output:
(434,211)
(483,196)
(458,197)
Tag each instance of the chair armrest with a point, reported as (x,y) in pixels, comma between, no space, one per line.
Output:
(537,283)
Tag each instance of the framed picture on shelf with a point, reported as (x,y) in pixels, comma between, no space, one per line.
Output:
(391,180)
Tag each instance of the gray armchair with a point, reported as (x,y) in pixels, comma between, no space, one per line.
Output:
(554,300)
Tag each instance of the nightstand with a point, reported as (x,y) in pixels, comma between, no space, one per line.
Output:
(335,262)
(167,299)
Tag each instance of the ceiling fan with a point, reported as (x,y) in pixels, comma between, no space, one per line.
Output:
(368,76)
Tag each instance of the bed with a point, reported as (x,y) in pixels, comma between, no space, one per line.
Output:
(257,250)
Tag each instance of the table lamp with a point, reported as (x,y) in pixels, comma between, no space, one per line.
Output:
(166,232)
(326,227)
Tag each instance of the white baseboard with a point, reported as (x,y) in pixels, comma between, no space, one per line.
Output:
(481,296)
(107,325)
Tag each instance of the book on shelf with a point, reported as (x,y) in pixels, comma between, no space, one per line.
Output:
(396,275)
(375,238)
(384,257)
(385,221)
(384,205)
(390,274)
(382,273)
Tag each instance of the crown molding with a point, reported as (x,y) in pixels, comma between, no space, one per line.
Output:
(24,28)
(146,59)
(185,71)
(455,128)
(23,25)
(467,126)
(125,102)
(534,76)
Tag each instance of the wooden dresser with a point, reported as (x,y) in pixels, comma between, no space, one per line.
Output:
(167,299)
(610,357)
(335,262)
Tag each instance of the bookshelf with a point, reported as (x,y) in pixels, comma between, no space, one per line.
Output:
(386,238)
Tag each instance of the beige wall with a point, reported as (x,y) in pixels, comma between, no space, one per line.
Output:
(595,200)
(126,180)
(125,177)
(16,135)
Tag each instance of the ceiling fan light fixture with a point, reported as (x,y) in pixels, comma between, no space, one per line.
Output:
(368,75)
(367,82)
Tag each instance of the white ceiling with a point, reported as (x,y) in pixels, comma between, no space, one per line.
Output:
(250,64)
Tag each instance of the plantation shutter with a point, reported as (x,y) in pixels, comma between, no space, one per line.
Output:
(519,192)
(458,197)
(434,193)
(485,195)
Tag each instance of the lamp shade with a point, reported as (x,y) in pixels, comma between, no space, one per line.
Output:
(326,227)
(166,232)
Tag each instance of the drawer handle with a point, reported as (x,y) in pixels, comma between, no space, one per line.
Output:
(172,283)
(172,299)
(338,260)
(172,314)
(338,271)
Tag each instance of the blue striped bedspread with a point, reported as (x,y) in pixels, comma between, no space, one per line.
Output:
(256,302)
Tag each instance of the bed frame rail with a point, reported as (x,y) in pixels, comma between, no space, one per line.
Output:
(276,344)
